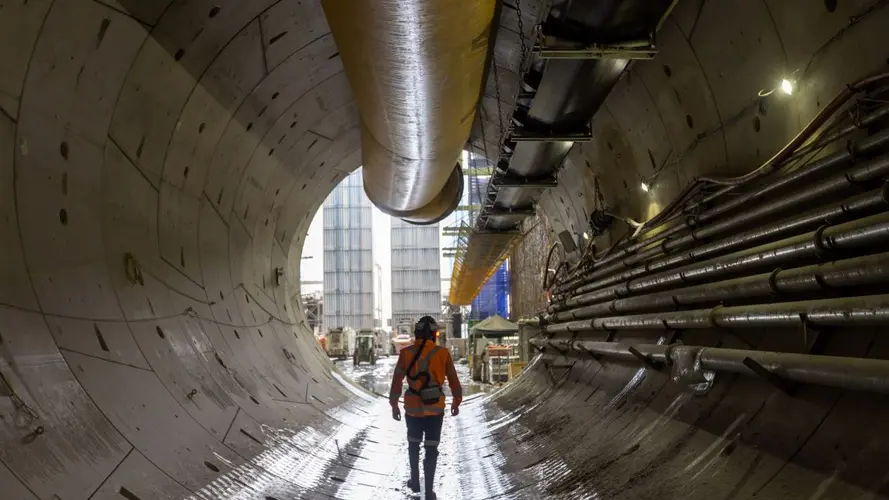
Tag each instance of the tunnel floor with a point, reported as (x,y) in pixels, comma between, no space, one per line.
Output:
(365,455)
(377,378)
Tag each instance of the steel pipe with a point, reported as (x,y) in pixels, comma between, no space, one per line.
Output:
(856,374)
(416,68)
(863,271)
(863,234)
(840,184)
(865,147)
(862,206)
(854,311)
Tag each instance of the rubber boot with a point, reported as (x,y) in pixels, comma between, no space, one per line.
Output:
(429,463)
(413,453)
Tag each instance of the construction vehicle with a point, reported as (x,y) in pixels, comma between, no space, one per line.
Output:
(340,342)
(401,341)
(381,343)
(365,348)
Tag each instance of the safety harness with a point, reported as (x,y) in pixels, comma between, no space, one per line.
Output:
(430,392)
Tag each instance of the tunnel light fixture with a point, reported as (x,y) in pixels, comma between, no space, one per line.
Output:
(787,86)
(645,187)
(586,236)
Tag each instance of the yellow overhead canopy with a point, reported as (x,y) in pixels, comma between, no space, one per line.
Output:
(478,257)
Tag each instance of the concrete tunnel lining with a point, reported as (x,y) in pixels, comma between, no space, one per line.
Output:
(200,137)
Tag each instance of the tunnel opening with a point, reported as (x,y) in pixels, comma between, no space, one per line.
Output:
(160,165)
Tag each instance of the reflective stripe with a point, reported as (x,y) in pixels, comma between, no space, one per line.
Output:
(424,361)
(414,440)
(422,365)
(431,443)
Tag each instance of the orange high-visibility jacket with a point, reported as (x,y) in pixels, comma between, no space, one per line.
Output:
(440,366)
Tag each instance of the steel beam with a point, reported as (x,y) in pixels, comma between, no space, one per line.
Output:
(525,182)
(522,135)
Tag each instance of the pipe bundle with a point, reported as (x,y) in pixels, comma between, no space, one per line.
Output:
(808,249)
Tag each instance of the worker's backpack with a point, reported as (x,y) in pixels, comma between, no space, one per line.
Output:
(430,392)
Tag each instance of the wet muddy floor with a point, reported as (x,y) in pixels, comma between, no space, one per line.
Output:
(378,378)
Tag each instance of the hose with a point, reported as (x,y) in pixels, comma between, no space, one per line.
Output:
(546,268)
(832,107)
(670,211)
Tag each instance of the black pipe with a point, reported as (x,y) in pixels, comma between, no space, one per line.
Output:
(821,245)
(856,208)
(858,272)
(850,311)
(857,374)
(867,146)
(864,122)
(843,183)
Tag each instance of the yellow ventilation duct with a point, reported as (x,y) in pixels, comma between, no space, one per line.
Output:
(478,258)
(416,68)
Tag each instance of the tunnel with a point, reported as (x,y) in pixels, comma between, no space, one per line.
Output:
(161,161)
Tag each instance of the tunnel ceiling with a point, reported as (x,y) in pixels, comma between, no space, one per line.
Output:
(161,160)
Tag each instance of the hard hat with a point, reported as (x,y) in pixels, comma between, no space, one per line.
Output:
(426,327)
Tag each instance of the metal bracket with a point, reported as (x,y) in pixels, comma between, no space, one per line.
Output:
(562,377)
(561,351)
(672,336)
(813,338)
(593,355)
(508,212)
(773,282)
(821,249)
(786,386)
(526,182)
(687,369)
(644,359)
(524,94)
(640,50)
(523,135)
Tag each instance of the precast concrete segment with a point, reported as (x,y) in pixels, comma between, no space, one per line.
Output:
(160,162)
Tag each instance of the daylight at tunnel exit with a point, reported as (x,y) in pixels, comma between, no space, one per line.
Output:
(444,249)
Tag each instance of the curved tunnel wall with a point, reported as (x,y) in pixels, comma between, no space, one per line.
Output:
(696,110)
(199,138)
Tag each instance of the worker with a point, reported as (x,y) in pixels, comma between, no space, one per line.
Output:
(426,365)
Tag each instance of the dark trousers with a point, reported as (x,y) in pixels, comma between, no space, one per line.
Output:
(426,430)
(430,427)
